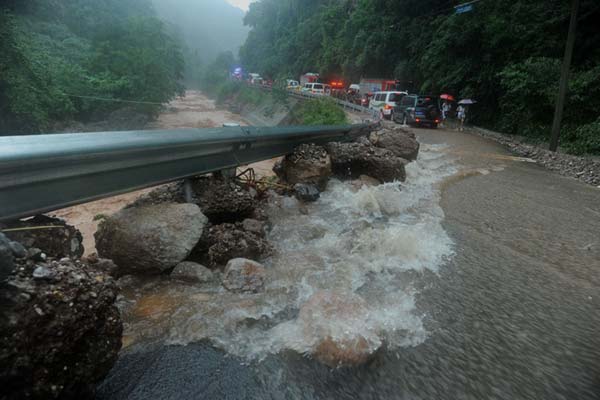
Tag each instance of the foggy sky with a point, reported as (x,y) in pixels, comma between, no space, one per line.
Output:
(243,4)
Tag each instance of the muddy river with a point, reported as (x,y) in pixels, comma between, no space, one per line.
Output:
(481,276)
(192,111)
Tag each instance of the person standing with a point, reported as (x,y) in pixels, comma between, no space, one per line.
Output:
(445,110)
(462,115)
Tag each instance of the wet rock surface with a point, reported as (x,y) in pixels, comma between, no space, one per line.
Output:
(150,239)
(60,332)
(350,160)
(223,200)
(306,192)
(399,141)
(585,169)
(243,275)
(221,243)
(308,164)
(169,193)
(192,272)
(51,235)
(337,325)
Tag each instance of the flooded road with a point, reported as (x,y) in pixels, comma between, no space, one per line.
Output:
(481,277)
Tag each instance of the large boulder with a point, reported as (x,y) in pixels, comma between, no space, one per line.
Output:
(223,200)
(308,164)
(336,325)
(60,332)
(150,239)
(403,144)
(351,160)
(51,235)
(243,275)
(221,243)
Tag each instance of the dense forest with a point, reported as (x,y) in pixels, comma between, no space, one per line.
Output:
(54,51)
(505,53)
(80,60)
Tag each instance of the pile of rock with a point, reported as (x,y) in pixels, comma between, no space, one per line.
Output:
(52,235)
(381,157)
(60,331)
(188,241)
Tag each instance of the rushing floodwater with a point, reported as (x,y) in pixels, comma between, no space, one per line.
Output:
(481,277)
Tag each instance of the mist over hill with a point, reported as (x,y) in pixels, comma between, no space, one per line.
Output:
(207,27)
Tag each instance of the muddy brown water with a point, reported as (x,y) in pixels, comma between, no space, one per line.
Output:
(482,275)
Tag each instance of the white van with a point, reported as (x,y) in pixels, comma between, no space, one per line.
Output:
(384,102)
(317,88)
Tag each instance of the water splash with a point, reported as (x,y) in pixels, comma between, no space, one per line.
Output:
(363,241)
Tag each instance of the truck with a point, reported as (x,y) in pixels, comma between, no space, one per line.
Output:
(372,85)
(309,77)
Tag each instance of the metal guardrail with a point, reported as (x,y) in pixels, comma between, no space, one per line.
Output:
(42,173)
(342,103)
(307,95)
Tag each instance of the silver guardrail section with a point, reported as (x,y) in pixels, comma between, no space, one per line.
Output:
(342,103)
(42,173)
(302,95)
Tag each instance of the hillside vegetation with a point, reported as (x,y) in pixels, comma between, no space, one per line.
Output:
(80,60)
(56,50)
(505,53)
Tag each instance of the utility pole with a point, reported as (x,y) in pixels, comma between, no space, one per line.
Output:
(564,77)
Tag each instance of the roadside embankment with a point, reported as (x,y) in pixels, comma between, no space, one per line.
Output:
(262,107)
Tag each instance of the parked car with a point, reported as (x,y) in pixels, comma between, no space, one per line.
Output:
(384,102)
(317,88)
(418,110)
(292,85)
(364,99)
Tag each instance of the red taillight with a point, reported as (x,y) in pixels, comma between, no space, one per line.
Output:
(388,107)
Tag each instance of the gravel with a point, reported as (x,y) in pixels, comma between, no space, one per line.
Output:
(585,169)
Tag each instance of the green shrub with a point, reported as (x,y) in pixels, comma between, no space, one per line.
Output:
(323,111)
(251,96)
(584,139)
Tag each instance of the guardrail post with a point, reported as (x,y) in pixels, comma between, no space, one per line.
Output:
(187,190)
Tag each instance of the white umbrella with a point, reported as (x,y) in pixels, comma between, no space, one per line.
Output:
(467,102)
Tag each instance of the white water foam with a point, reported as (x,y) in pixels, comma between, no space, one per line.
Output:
(354,241)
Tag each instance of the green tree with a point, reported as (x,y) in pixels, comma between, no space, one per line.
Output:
(491,53)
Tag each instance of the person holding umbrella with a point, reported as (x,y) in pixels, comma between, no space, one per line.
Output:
(446,105)
(462,112)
